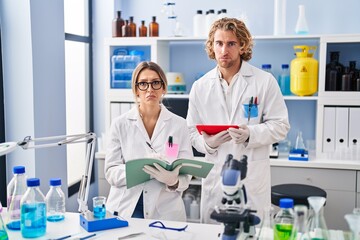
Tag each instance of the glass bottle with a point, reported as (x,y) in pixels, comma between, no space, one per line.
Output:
(15,191)
(353,75)
(284,80)
(284,220)
(132,26)
(346,80)
(266,229)
(267,68)
(33,210)
(55,201)
(299,144)
(317,225)
(117,24)
(154,28)
(334,71)
(353,221)
(126,29)
(142,29)
(300,229)
(301,24)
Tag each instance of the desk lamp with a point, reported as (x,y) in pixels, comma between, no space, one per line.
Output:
(87,219)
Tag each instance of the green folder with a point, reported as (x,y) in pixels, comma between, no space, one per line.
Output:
(135,175)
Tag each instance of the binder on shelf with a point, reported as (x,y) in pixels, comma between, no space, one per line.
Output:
(341,128)
(329,130)
(354,128)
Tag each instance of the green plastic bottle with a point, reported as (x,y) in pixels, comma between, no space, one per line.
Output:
(284,220)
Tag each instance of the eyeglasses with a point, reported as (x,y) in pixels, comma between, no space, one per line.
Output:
(143,86)
(159,224)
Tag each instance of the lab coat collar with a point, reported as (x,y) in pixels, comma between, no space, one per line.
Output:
(134,115)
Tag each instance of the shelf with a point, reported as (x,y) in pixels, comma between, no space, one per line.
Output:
(312,98)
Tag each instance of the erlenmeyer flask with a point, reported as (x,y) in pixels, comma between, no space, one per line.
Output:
(353,221)
(266,230)
(299,144)
(317,225)
(300,230)
(3,233)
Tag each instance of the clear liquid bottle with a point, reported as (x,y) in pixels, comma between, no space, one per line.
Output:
(300,229)
(33,210)
(15,191)
(3,233)
(284,220)
(117,24)
(55,201)
(154,28)
(317,225)
(301,24)
(299,144)
(142,29)
(284,80)
(267,68)
(267,225)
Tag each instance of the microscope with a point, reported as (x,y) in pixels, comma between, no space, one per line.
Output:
(239,221)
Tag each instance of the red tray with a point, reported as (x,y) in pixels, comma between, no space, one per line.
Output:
(214,129)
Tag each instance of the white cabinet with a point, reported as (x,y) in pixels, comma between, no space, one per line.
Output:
(358,190)
(340,186)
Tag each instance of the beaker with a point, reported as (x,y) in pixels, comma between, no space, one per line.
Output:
(300,229)
(266,229)
(317,225)
(353,221)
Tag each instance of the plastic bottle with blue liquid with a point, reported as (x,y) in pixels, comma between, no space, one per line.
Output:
(15,191)
(33,210)
(55,201)
(284,80)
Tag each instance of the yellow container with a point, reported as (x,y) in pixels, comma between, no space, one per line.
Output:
(304,71)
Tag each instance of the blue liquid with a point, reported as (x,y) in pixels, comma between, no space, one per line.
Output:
(284,83)
(33,220)
(3,235)
(99,212)
(14,225)
(55,218)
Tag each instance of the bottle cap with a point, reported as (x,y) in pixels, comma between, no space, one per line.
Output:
(199,11)
(33,182)
(55,182)
(19,169)
(284,65)
(266,66)
(286,203)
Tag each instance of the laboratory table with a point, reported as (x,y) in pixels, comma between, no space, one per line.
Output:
(71,226)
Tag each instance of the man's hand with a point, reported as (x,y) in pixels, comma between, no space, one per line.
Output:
(239,135)
(216,140)
(170,178)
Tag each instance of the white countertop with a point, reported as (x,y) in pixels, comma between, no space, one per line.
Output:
(283,162)
(71,226)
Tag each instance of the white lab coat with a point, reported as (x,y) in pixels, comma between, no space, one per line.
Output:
(127,140)
(207,106)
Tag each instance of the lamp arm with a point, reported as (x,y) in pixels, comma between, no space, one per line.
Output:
(90,139)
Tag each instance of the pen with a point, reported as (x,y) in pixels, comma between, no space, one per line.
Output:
(170,141)
(255,102)
(150,146)
(249,109)
(89,236)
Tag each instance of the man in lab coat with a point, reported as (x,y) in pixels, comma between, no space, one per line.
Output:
(236,93)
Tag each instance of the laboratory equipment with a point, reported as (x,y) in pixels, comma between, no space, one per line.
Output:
(267,68)
(279,17)
(125,29)
(267,224)
(300,229)
(153,28)
(353,221)
(210,18)
(99,206)
(284,80)
(237,218)
(55,201)
(284,220)
(33,210)
(304,71)
(87,220)
(299,152)
(117,24)
(317,225)
(3,233)
(334,71)
(176,82)
(15,191)
(301,23)
(142,29)
(194,210)
(199,24)
(132,26)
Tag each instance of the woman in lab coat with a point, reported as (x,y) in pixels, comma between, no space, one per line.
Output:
(141,132)
(223,96)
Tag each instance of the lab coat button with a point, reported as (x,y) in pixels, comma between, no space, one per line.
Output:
(145,192)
